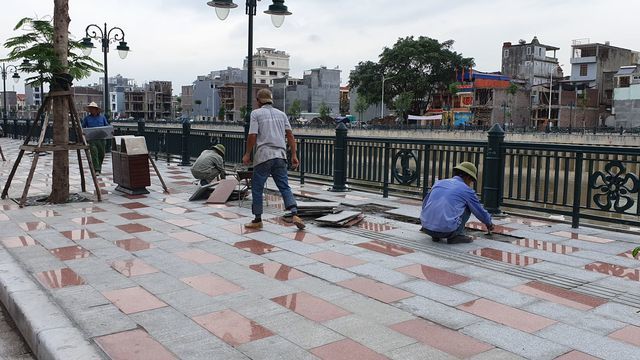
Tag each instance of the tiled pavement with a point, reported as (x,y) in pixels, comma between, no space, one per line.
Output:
(158,277)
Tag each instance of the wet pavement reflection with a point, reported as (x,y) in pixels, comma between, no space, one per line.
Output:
(506,257)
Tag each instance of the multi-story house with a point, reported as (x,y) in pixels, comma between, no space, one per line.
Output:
(626,97)
(530,62)
(268,65)
(318,86)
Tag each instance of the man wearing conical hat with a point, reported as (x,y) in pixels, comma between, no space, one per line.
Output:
(97,146)
(449,205)
(209,165)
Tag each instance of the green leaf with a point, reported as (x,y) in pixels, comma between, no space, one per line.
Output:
(635,252)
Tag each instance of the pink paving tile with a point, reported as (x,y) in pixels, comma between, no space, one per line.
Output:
(180,177)
(133,228)
(232,328)
(385,248)
(93,210)
(533,223)
(133,244)
(218,206)
(4,217)
(371,226)
(546,246)
(183,222)
(87,220)
(45,213)
(506,315)
(133,197)
(255,246)
(615,270)
(583,237)
(10,207)
(280,221)
(629,255)
(134,205)
(506,257)
(305,237)
(226,215)
(560,296)
(33,225)
(311,307)
(441,338)
(133,216)
(176,210)
(278,271)
(172,200)
(239,229)
(18,241)
(133,267)
(133,345)
(498,229)
(188,236)
(70,253)
(576,355)
(376,290)
(80,234)
(437,276)
(199,256)
(346,349)
(336,259)
(211,285)
(133,300)
(56,279)
(630,334)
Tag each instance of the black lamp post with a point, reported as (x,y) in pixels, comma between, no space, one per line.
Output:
(7,69)
(95,32)
(278,11)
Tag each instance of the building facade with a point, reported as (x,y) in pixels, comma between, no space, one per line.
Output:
(318,86)
(186,101)
(626,97)
(533,62)
(268,65)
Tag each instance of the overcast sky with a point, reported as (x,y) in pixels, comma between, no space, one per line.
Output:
(177,40)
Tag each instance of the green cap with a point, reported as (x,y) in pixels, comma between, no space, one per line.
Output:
(469,169)
(219,147)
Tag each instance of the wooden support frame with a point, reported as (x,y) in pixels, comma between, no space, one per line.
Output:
(79,146)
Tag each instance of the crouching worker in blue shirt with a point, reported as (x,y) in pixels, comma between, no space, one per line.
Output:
(450,203)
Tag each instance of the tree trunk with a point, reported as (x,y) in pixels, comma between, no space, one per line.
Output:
(60,174)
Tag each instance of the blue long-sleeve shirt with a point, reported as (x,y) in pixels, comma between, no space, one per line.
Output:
(90,121)
(444,205)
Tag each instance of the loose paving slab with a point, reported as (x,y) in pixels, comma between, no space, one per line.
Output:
(160,272)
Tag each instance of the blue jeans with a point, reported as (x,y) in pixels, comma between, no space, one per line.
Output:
(277,168)
(459,231)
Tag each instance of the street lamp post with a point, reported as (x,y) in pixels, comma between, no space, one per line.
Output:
(278,11)
(95,32)
(6,69)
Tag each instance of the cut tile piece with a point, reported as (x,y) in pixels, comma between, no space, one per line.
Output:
(336,259)
(45,213)
(498,229)
(133,216)
(385,248)
(199,256)
(506,315)
(615,270)
(133,228)
(560,296)
(133,267)
(371,226)
(18,241)
(232,328)
(188,236)
(546,246)
(583,237)
(56,279)
(33,225)
(629,334)
(576,355)
(506,257)
(211,285)
(376,290)
(255,246)
(346,349)
(70,253)
(183,222)
(134,205)
(228,215)
(278,271)
(437,276)
(81,234)
(133,300)
(441,338)
(311,307)
(133,344)
(133,244)
(305,237)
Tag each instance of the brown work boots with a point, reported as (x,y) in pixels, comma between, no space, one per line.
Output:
(295,219)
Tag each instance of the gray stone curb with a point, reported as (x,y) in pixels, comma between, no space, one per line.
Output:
(46,328)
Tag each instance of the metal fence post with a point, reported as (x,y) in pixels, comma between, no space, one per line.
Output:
(302,161)
(340,160)
(493,172)
(15,128)
(577,192)
(140,128)
(387,156)
(186,131)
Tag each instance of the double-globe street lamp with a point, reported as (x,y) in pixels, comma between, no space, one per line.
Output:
(106,37)
(278,11)
(7,69)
